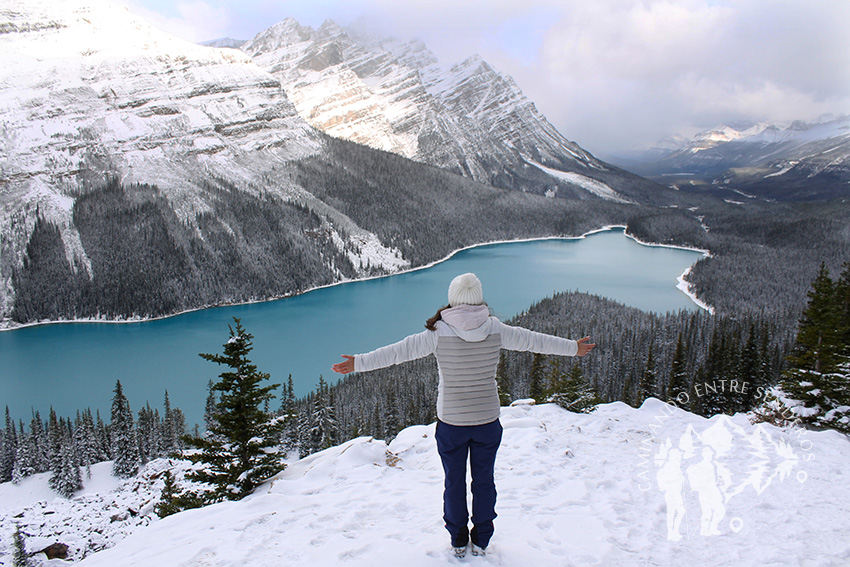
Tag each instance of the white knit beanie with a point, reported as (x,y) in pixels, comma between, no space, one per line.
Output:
(465,289)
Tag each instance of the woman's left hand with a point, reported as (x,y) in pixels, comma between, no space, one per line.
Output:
(344,367)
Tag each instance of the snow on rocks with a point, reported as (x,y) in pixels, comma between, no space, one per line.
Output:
(106,511)
(574,489)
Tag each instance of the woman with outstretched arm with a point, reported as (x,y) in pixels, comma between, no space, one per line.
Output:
(466,340)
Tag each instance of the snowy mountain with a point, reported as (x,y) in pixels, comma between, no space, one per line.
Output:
(620,486)
(796,161)
(394,96)
(145,175)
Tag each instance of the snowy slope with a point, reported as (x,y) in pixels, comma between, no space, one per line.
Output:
(573,490)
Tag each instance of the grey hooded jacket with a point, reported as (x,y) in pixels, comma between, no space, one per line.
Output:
(466,343)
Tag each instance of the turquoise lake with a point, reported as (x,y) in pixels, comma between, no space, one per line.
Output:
(72,366)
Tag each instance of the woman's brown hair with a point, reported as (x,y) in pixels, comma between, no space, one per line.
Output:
(431,324)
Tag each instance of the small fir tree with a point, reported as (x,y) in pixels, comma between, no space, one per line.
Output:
(170,431)
(576,394)
(172,500)
(815,390)
(68,480)
(536,380)
(677,388)
(648,381)
(238,456)
(502,382)
(25,458)
(20,557)
(125,446)
(8,449)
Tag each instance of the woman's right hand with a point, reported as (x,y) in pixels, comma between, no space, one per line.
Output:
(345,366)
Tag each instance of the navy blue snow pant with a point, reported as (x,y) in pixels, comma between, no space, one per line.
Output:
(479,444)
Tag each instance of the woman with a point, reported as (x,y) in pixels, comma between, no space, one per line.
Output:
(466,341)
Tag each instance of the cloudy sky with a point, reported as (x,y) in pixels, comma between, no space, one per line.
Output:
(610,74)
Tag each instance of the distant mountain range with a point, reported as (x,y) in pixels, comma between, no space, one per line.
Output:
(796,161)
(142,174)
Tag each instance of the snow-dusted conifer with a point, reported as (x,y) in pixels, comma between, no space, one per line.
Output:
(815,390)
(67,480)
(536,385)
(85,437)
(210,408)
(39,441)
(239,454)
(576,394)
(54,443)
(677,388)
(325,428)
(648,387)
(502,383)
(8,449)
(104,439)
(25,458)
(125,447)
(289,413)
(20,557)
(148,433)
(168,434)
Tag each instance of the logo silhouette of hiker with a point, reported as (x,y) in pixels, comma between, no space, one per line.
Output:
(466,341)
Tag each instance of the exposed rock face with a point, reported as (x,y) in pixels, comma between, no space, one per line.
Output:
(55,551)
(393,96)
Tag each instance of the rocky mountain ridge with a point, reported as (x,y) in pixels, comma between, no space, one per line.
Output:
(394,96)
(794,161)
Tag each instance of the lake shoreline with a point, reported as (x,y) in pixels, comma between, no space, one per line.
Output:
(683,285)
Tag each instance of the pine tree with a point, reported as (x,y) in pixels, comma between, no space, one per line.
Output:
(536,385)
(288,411)
(85,438)
(169,429)
(9,449)
(39,443)
(104,439)
(554,380)
(20,557)
(237,456)
(502,383)
(25,458)
(54,444)
(649,381)
(172,501)
(67,479)
(816,387)
(677,388)
(210,408)
(165,506)
(392,423)
(148,434)
(818,336)
(749,373)
(324,432)
(576,394)
(125,446)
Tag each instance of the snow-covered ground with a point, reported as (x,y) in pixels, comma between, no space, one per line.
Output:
(573,490)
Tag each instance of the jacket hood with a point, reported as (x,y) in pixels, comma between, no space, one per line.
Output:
(470,322)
